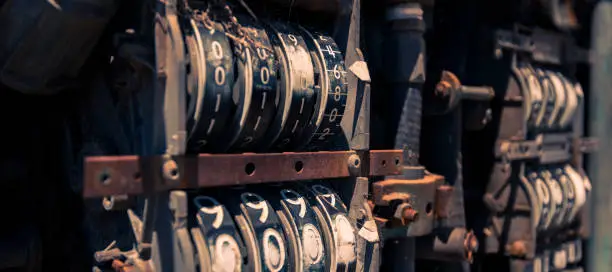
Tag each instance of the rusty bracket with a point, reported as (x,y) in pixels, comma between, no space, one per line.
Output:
(121,175)
(409,202)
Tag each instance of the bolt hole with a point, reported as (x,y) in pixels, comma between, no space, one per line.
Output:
(105,178)
(356,162)
(384,163)
(299,166)
(249,169)
(429,208)
(174,172)
(397,161)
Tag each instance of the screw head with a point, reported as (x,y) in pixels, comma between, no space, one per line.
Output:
(354,162)
(170,170)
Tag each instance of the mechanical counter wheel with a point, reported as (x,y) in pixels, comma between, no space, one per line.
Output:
(278,87)
(219,245)
(339,232)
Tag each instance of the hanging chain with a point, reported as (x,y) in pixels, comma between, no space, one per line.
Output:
(233,29)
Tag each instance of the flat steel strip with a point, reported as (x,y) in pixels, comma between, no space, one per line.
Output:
(117,175)
(386,162)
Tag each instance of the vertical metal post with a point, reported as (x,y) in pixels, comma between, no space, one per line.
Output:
(405,70)
(600,109)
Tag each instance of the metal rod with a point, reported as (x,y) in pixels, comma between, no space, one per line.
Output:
(477,93)
(600,109)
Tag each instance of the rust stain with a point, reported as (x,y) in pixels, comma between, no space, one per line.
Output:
(118,175)
(386,162)
(443,196)
(385,191)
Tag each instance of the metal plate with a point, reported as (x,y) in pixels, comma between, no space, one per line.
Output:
(116,175)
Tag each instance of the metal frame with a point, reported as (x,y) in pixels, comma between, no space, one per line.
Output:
(119,175)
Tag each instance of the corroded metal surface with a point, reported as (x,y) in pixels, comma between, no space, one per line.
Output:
(115,175)
(385,162)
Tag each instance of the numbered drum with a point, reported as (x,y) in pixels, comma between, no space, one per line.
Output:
(261,81)
(307,244)
(561,99)
(569,194)
(556,193)
(532,93)
(217,241)
(331,89)
(332,214)
(297,94)
(580,191)
(543,192)
(262,230)
(210,103)
(548,111)
(573,99)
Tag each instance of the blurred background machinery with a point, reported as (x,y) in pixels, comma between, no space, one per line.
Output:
(273,135)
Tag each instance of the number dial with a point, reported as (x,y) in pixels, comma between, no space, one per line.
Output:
(269,239)
(572,101)
(214,99)
(241,96)
(332,90)
(579,190)
(533,91)
(302,221)
(217,241)
(556,196)
(569,195)
(338,230)
(264,73)
(544,198)
(547,112)
(560,98)
(297,95)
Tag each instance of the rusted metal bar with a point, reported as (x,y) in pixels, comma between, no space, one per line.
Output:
(118,175)
(386,162)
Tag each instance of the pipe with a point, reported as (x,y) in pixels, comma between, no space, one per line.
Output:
(600,109)
(404,57)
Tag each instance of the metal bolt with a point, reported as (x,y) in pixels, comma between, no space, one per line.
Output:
(116,203)
(354,162)
(409,215)
(470,244)
(443,88)
(170,170)
(517,249)
(498,53)
(406,214)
